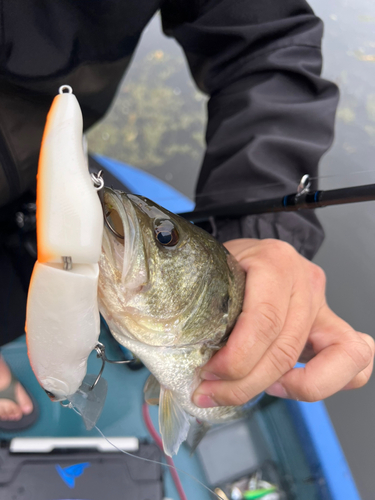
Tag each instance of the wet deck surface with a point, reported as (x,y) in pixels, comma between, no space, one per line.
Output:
(121,416)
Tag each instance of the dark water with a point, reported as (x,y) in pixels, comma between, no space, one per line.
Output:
(157,122)
(173,153)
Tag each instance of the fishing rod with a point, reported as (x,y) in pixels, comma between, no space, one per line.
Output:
(302,199)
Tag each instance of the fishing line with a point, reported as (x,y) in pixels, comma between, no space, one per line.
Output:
(348,174)
(158,440)
(148,459)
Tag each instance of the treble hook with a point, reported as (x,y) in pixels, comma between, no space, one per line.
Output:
(100,353)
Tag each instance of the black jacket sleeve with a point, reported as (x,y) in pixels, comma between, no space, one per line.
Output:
(270,114)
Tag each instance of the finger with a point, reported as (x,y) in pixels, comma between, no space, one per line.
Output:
(276,361)
(344,360)
(307,353)
(235,247)
(363,377)
(259,324)
(266,304)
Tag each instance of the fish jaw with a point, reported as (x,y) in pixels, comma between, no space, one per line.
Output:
(125,255)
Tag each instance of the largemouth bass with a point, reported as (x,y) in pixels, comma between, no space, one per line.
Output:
(171,294)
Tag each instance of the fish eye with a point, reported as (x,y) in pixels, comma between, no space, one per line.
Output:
(49,394)
(166,234)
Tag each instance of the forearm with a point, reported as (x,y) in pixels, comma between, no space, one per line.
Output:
(263,137)
(270,114)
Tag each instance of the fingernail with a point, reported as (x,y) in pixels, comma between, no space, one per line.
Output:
(208,376)
(27,409)
(204,401)
(277,390)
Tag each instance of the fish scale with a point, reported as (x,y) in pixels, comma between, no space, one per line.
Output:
(176,319)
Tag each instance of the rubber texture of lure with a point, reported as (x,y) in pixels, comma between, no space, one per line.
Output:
(62,321)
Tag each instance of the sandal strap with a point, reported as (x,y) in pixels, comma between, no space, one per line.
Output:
(10,391)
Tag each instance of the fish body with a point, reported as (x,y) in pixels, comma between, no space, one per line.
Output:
(171,294)
(62,320)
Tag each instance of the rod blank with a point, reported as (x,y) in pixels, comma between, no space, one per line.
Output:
(289,203)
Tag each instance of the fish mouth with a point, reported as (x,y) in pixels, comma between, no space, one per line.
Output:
(123,240)
(113,216)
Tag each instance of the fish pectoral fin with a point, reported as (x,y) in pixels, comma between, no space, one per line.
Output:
(151,390)
(173,422)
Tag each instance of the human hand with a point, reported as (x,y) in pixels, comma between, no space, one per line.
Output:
(285,318)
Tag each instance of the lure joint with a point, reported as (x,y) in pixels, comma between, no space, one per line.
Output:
(68,263)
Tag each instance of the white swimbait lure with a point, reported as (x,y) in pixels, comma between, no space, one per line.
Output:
(62,321)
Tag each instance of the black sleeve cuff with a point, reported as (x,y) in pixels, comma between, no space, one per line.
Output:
(302,230)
